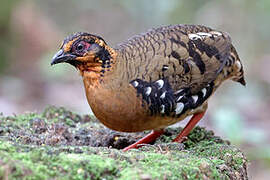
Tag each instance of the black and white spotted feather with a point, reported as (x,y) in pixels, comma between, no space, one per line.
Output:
(163,100)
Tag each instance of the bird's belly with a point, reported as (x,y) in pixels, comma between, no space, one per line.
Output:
(122,110)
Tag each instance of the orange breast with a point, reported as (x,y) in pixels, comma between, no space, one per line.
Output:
(122,110)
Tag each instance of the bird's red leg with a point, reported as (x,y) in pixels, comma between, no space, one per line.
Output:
(192,122)
(155,134)
(145,140)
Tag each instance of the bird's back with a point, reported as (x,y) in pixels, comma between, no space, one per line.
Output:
(176,68)
(187,55)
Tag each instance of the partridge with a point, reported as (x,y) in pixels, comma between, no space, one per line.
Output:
(154,79)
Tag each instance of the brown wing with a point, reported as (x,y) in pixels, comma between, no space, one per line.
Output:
(187,55)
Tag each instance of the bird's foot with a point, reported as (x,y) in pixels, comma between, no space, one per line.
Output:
(145,140)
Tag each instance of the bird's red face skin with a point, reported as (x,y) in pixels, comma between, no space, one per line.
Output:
(88,53)
(81,47)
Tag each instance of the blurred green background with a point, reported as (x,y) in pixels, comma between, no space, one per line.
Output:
(32,30)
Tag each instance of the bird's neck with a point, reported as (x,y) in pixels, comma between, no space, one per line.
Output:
(95,74)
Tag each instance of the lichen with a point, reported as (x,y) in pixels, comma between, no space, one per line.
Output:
(59,144)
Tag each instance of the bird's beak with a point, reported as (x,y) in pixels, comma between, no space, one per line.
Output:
(61,57)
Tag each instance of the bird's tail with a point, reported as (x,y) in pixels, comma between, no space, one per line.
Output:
(237,67)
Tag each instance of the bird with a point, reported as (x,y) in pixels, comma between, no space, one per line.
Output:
(154,79)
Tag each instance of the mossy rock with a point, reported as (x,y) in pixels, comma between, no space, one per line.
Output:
(59,144)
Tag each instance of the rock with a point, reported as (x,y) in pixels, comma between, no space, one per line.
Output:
(61,144)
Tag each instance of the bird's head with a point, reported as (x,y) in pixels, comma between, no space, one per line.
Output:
(88,53)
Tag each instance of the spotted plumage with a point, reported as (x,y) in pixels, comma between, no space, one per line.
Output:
(163,100)
(153,79)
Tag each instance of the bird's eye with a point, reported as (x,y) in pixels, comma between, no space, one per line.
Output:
(80,47)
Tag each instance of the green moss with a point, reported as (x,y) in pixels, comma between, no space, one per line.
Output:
(41,164)
(59,144)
